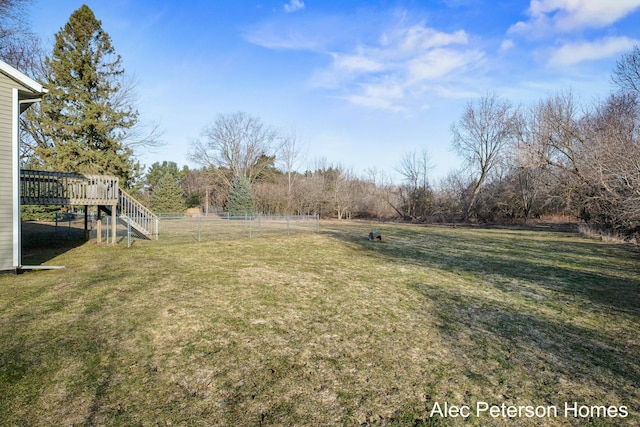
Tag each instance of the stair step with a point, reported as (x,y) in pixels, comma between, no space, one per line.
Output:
(130,211)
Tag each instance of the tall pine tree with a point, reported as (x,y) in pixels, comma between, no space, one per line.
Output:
(82,120)
(240,199)
(167,196)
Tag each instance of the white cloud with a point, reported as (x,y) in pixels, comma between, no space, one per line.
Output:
(369,100)
(507,45)
(398,69)
(357,63)
(574,53)
(439,63)
(304,34)
(289,41)
(390,70)
(563,16)
(293,6)
(419,37)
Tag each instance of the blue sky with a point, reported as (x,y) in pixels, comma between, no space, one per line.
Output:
(362,83)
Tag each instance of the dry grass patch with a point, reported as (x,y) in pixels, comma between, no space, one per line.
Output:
(322,329)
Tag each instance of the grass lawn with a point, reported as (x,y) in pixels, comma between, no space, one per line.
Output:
(324,329)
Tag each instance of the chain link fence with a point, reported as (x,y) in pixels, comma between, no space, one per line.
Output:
(180,228)
(205,228)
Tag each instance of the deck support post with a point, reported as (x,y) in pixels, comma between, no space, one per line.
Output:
(73,189)
(86,223)
(114,223)
(99,226)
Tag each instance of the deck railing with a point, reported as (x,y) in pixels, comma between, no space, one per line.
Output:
(140,217)
(62,188)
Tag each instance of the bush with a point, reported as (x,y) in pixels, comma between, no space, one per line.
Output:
(39,213)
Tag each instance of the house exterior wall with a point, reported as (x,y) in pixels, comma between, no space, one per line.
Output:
(6,173)
(9,200)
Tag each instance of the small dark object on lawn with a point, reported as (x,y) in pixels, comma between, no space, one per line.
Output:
(375,235)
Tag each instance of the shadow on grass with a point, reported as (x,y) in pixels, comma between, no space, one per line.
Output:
(521,305)
(60,345)
(497,339)
(604,276)
(42,242)
(36,356)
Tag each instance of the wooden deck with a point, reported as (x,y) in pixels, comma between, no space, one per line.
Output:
(72,189)
(69,189)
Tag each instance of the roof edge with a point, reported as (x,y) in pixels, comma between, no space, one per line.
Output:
(21,78)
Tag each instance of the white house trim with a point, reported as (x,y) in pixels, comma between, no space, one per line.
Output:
(21,78)
(15,173)
(21,91)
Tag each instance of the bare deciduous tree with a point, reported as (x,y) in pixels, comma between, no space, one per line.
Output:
(19,46)
(415,167)
(626,75)
(235,144)
(481,136)
(340,189)
(451,197)
(612,162)
(290,153)
(383,192)
(146,135)
(558,139)
(416,193)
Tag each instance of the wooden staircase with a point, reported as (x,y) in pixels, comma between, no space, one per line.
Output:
(129,211)
(103,191)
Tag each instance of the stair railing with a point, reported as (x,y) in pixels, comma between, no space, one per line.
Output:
(139,215)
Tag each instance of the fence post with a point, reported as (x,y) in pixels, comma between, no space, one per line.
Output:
(317,223)
(288,226)
(198,229)
(128,232)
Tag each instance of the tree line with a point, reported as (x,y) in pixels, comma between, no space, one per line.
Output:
(554,157)
(557,156)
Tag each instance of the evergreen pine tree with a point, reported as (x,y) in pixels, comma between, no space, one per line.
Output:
(167,196)
(157,170)
(240,199)
(85,117)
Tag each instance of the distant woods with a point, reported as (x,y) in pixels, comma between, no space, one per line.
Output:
(555,157)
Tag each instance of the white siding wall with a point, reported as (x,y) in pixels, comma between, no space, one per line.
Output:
(9,213)
(6,172)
